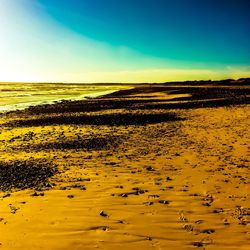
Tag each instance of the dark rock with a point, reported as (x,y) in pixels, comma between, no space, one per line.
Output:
(33,173)
(103,214)
(6,195)
(198,244)
(124,195)
(207,231)
(149,168)
(35,194)
(165,202)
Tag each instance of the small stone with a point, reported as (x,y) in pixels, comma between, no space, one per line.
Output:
(206,204)
(150,168)
(150,203)
(86,179)
(188,227)
(35,194)
(199,221)
(198,244)
(207,231)
(6,195)
(218,210)
(165,202)
(103,214)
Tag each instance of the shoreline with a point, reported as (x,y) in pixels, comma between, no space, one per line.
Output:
(146,97)
(130,89)
(25,105)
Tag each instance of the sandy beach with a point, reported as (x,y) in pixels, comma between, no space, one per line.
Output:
(152,167)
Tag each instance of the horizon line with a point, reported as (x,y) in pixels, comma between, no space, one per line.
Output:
(208,80)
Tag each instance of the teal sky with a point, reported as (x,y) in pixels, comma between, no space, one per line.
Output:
(123,40)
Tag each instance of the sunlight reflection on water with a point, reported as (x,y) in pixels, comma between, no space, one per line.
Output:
(15,96)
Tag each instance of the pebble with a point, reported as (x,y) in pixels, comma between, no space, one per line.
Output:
(103,214)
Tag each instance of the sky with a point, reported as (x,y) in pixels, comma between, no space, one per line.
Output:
(123,40)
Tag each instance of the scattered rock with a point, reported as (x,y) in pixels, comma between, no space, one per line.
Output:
(165,202)
(207,231)
(198,244)
(35,194)
(188,227)
(33,173)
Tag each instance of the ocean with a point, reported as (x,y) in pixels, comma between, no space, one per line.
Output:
(18,96)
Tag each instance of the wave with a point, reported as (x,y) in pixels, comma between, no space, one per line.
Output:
(18,95)
(48,99)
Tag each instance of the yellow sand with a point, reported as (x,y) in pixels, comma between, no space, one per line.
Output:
(205,158)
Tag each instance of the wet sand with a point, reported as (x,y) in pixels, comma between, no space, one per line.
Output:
(154,167)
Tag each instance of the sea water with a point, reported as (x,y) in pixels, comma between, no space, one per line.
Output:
(17,96)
